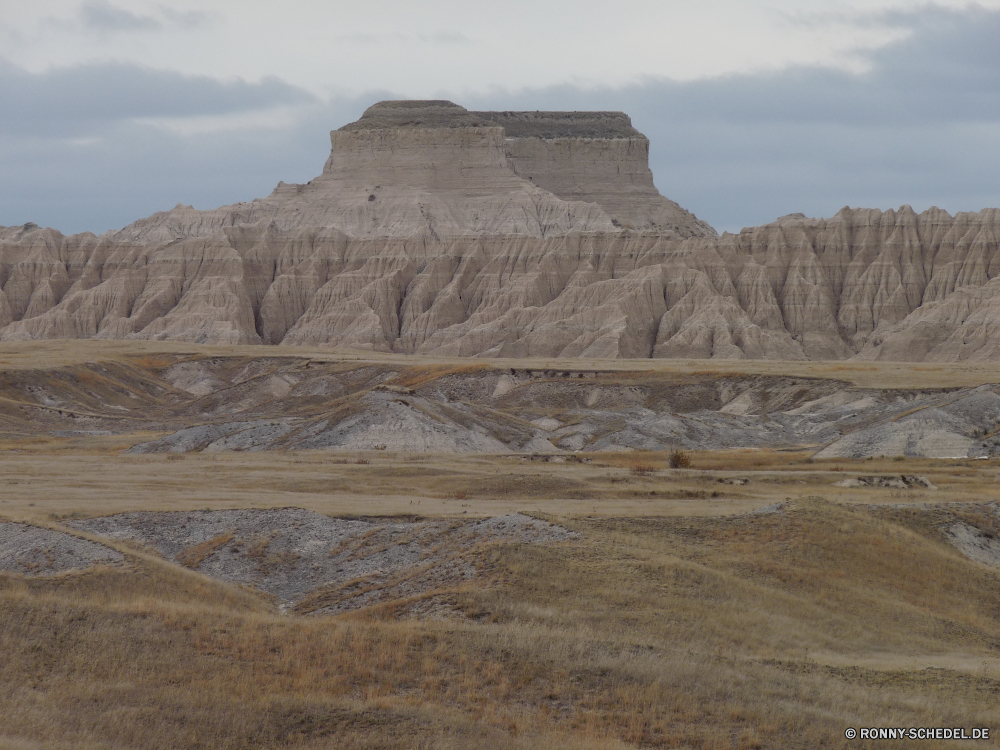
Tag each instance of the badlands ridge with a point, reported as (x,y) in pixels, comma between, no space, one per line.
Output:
(439,231)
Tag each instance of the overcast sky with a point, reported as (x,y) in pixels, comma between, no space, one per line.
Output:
(114,109)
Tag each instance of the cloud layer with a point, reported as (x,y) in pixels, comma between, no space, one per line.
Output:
(89,147)
(91,99)
(103,17)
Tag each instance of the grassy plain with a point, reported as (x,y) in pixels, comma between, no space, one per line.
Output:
(59,353)
(678,618)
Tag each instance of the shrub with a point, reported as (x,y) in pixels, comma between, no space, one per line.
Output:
(680,459)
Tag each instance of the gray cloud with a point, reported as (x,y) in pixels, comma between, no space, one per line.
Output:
(444,37)
(921,126)
(133,169)
(189,19)
(103,16)
(88,99)
(438,38)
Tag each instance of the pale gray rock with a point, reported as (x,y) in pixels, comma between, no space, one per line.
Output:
(439,231)
(289,553)
(36,551)
(975,544)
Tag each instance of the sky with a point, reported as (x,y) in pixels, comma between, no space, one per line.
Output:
(114,109)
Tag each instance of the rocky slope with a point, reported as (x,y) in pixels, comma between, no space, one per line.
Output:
(439,231)
(184,403)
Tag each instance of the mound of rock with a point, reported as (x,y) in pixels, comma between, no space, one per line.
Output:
(36,551)
(252,435)
(945,425)
(975,544)
(256,403)
(320,564)
(899,482)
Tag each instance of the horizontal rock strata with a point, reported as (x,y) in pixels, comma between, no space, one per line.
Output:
(434,230)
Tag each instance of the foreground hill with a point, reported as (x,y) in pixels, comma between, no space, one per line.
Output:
(236,621)
(435,230)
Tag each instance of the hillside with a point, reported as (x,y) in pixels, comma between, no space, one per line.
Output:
(205,603)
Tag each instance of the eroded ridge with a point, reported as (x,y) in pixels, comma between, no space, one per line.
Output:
(36,551)
(440,231)
(311,563)
(189,402)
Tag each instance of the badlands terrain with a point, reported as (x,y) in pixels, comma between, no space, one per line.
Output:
(478,441)
(177,398)
(439,231)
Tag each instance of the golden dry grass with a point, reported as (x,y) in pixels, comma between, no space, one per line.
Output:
(676,619)
(194,555)
(58,353)
(775,630)
(43,478)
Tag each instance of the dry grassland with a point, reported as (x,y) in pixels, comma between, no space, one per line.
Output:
(45,478)
(677,619)
(61,353)
(680,617)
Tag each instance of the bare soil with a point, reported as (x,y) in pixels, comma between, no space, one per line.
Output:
(33,551)
(198,400)
(336,564)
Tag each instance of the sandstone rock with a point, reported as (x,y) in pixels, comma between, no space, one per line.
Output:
(436,230)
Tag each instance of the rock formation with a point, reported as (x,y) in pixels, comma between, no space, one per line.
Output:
(441,231)
(183,402)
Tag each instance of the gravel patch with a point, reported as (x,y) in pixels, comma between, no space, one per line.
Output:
(255,435)
(36,551)
(899,482)
(317,563)
(974,544)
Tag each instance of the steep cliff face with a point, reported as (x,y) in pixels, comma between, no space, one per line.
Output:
(413,182)
(425,235)
(613,173)
(594,157)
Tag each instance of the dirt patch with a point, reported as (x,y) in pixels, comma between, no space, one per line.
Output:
(900,482)
(320,564)
(975,544)
(35,551)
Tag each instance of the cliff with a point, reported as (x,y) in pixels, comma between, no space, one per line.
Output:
(436,230)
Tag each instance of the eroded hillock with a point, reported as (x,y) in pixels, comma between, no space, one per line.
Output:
(186,403)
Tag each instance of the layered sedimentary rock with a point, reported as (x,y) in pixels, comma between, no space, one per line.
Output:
(594,157)
(436,230)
